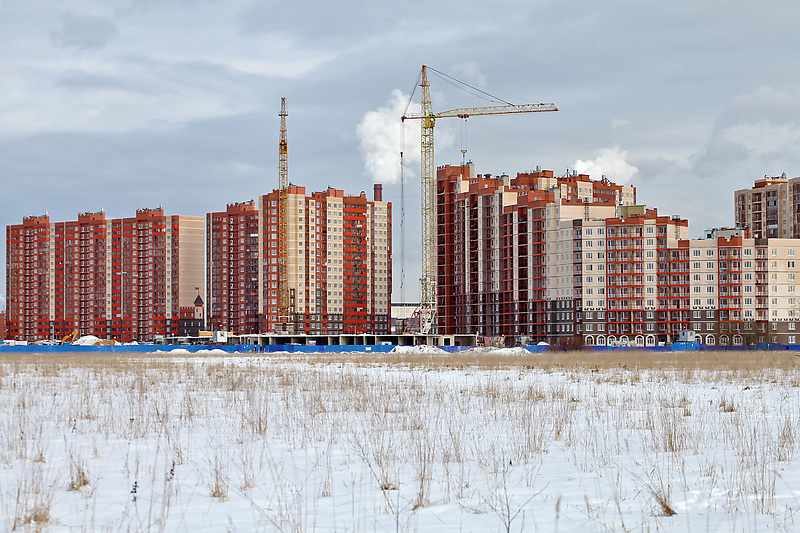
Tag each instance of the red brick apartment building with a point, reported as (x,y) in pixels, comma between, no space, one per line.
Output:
(339,259)
(573,261)
(124,279)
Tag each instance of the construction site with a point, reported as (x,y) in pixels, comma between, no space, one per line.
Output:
(534,258)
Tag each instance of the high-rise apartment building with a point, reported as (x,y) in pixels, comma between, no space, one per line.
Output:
(500,271)
(124,279)
(771,208)
(573,261)
(339,271)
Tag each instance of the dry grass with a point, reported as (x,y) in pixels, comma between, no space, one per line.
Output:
(408,432)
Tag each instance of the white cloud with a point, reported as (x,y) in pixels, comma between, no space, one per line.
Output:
(620,123)
(610,162)
(383,136)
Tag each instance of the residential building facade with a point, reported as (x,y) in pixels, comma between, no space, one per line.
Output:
(573,261)
(339,271)
(124,279)
(771,208)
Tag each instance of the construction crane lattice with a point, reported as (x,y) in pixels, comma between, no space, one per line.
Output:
(424,318)
(283,195)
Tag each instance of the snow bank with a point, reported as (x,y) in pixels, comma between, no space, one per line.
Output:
(87,340)
(215,351)
(515,351)
(422,349)
(184,351)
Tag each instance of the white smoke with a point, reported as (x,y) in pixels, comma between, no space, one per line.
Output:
(383,137)
(610,162)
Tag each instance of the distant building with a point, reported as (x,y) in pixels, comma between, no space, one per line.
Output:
(123,279)
(401,314)
(339,272)
(771,208)
(2,326)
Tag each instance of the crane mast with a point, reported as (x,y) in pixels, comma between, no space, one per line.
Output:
(425,316)
(283,194)
(426,312)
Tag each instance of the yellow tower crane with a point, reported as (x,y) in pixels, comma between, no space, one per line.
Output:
(283,195)
(425,315)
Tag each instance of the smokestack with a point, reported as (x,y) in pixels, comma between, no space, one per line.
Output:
(377,192)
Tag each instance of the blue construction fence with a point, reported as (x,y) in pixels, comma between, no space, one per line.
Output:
(360,348)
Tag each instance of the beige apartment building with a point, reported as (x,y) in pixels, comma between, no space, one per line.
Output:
(771,208)
(338,264)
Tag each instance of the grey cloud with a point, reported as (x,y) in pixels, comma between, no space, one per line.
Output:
(719,155)
(84,32)
(87,81)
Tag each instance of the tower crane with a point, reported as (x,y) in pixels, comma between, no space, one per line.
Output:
(425,315)
(283,195)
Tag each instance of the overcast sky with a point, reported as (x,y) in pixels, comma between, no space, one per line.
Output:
(119,105)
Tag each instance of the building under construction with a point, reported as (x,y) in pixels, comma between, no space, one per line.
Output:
(568,260)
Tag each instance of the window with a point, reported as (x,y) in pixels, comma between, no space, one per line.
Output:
(696,314)
(710,314)
(710,252)
(709,265)
(695,253)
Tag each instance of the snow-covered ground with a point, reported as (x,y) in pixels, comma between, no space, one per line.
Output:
(324,443)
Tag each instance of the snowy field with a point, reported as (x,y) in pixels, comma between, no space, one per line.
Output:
(475,441)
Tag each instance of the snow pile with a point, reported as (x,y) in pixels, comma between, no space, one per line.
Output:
(87,340)
(421,349)
(215,351)
(184,351)
(515,351)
